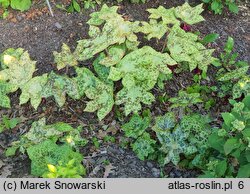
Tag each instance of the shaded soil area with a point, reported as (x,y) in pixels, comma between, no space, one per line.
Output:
(41,34)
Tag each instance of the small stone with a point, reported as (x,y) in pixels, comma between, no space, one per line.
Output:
(35,29)
(156,172)
(150,165)
(58,26)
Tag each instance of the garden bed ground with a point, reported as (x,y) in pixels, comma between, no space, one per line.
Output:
(41,34)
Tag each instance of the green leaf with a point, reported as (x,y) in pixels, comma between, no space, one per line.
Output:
(241,87)
(210,38)
(48,152)
(11,151)
(5,88)
(229,45)
(247,154)
(184,99)
(101,70)
(244,171)
(139,71)
(58,86)
(39,132)
(230,145)
(33,90)
(190,15)
(5,3)
(99,92)
(246,101)
(233,7)
(65,58)
(153,29)
(143,66)
(166,15)
(235,74)
(161,18)
(114,31)
(165,123)
(216,142)
(10,123)
(136,126)
(221,168)
(133,98)
(217,6)
(19,67)
(76,6)
(228,118)
(143,146)
(106,13)
(114,55)
(184,47)
(246,132)
(21,5)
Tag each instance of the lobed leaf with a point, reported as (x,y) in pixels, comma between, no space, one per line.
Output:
(18,67)
(65,58)
(33,90)
(58,86)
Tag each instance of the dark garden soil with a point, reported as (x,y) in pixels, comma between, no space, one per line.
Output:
(41,34)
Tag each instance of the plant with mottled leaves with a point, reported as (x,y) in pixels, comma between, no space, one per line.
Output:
(161,18)
(101,94)
(185,137)
(241,87)
(185,99)
(17,66)
(143,146)
(139,71)
(40,132)
(185,47)
(65,58)
(115,30)
(136,126)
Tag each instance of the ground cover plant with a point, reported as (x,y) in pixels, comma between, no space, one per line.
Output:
(117,78)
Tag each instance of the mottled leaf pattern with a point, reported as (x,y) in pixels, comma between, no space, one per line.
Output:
(184,99)
(115,31)
(65,58)
(188,14)
(139,71)
(136,126)
(153,29)
(19,68)
(143,65)
(58,86)
(132,99)
(100,93)
(241,87)
(101,70)
(33,90)
(234,74)
(114,55)
(187,137)
(161,19)
(166,15)
(184,46)
(143,146)
(5,88)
